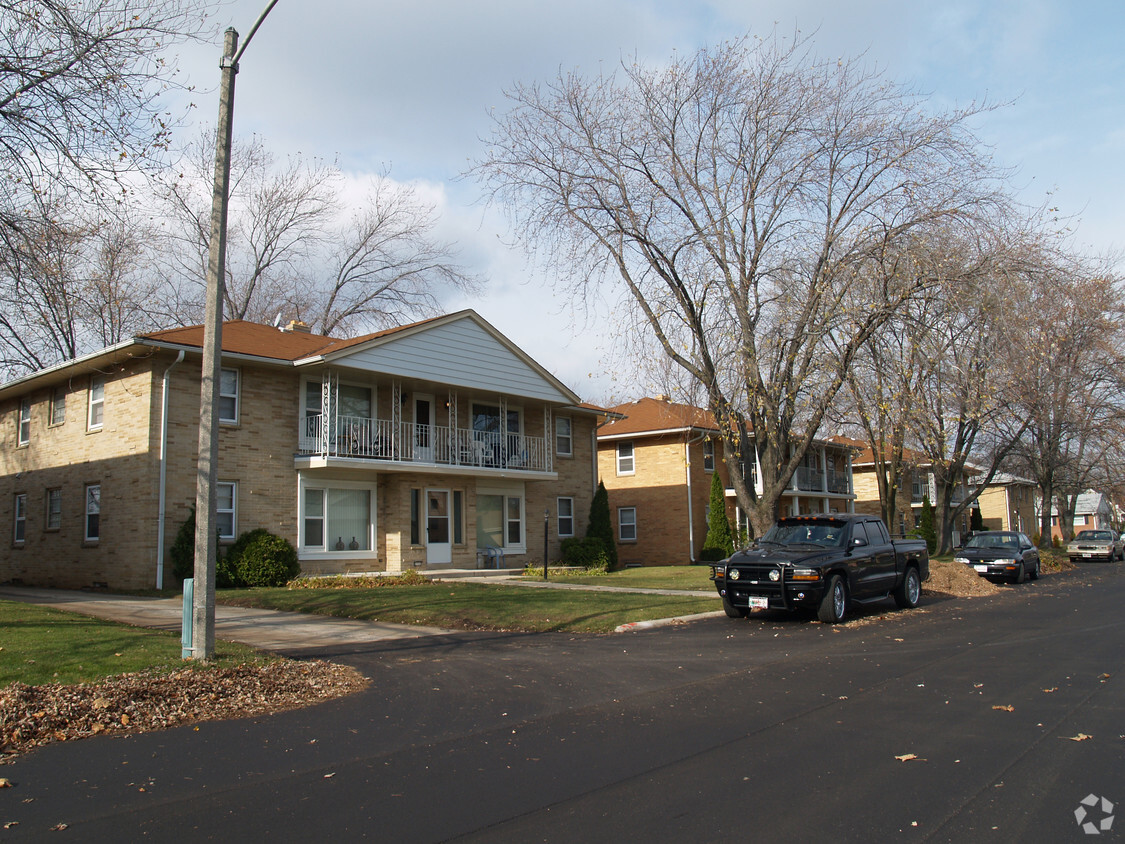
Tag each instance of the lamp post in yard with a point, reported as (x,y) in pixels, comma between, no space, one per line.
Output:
(206,541)
(546,529)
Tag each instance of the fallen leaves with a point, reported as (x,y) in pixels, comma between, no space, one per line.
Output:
(909,757)
(1005,707)
(1079,737)
(31,716)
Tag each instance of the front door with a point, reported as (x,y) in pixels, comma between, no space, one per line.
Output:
(424,428)
(439,550)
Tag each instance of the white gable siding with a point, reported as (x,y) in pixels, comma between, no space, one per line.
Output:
(459,353)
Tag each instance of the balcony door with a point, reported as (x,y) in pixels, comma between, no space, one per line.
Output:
(424,427)
(439,550)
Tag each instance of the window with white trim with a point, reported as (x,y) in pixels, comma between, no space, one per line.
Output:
(708,455)
(565,509)
(93,527)
(19,531)
(23,436)
(626,465)
(229,380)
(564,437)
(226,509)
(95,405)
(58,406)
(337,517)
(627,524)
(500,519)
(54,509)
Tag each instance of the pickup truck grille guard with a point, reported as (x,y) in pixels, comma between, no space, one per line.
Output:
(758,576)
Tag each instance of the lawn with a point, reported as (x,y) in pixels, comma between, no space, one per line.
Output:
(645,577)
(41,645)
(476,606)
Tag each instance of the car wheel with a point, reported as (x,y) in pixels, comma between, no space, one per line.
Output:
(732,611)
(1021,573)
(1034,573)
(834,601)
(909,591)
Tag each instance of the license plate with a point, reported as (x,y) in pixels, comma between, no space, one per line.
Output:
(981,568)
(759,603)
(1087,554)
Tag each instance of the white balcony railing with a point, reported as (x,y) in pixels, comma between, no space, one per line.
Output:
(381,439)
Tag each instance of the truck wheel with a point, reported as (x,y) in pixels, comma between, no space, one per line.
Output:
(909,591)
(834,602)
(732,611)
(1021,573)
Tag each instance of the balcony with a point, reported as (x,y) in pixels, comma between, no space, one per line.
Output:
(838,483)
(810,480)
(407,443)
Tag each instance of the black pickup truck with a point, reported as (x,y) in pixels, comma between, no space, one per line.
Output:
(823,562)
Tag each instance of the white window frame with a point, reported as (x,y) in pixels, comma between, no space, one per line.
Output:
(95,403)
(621,524)
(54,513)
(568,451)
(508,493)
(708,454)
(19,523)
(89,511)
(569,517)
(235,396)
(626,464)
(232,510)
(58,406)
(326,550)
(23,428)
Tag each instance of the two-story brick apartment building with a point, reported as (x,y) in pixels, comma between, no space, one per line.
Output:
(656,462)
(433,445)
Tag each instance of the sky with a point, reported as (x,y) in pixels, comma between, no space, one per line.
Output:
(409,87)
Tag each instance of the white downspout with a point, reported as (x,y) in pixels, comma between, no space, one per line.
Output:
(165,390)
(690,512)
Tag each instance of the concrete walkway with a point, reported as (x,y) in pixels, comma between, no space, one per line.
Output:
(271,630)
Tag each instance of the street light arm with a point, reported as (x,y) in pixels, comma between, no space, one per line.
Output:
(253,29)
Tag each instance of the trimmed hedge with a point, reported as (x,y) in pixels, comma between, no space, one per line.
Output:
(588,552)
(259,558)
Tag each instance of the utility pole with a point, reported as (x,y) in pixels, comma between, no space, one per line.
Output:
(206,540)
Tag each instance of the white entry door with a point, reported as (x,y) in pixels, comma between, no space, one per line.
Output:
(424,428)
(439,549)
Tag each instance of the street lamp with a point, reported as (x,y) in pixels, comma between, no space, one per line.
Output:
(206,541)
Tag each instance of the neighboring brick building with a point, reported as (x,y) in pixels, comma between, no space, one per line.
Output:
(1008,503)
(418,447)
(656,462)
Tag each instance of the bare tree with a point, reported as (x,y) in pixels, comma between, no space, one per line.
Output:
(736,194)
(295,249)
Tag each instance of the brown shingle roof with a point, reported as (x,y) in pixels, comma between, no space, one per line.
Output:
(648,416)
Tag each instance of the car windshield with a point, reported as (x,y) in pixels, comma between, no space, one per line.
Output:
(1098,535)
(994,540)
(827,533)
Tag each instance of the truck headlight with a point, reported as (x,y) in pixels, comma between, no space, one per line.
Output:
(734,575)
(804,574)
(718,571)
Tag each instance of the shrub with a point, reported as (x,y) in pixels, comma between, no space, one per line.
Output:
(719,543)
(410,577)
(976,520)
(182,551)
(259,558)
(925,527)
(589,553)
(600,524)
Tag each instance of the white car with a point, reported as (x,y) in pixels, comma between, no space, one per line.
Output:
(1096,545)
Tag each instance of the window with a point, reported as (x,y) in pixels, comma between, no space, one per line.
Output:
(337,518)
(566,516)
(24,435)
(20,531)
(625,463)
(228,395)
(58,406)
(415,517)
(627,524)
(226,498)
(95,410)
(54,509)
(564,439)
(708,455)
(93,512)
(500,520)
(458,518)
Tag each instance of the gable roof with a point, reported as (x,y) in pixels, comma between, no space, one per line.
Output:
(653,417)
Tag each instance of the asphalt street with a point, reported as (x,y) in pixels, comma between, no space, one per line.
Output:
(953,722)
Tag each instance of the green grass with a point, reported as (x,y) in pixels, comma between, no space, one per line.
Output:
(474,606)
(40,645)
(647,577)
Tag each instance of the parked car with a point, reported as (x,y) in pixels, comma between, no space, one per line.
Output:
(1000,553)
(1096,545)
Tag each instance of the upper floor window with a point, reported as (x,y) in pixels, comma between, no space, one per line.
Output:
(58,406)
(564,438)
(708,455)
(20,531)
(625,463)
(23,437)
(228,395)
(566,516)
(95,412)
(93,530)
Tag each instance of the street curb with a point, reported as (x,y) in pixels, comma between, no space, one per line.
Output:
(664,622)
